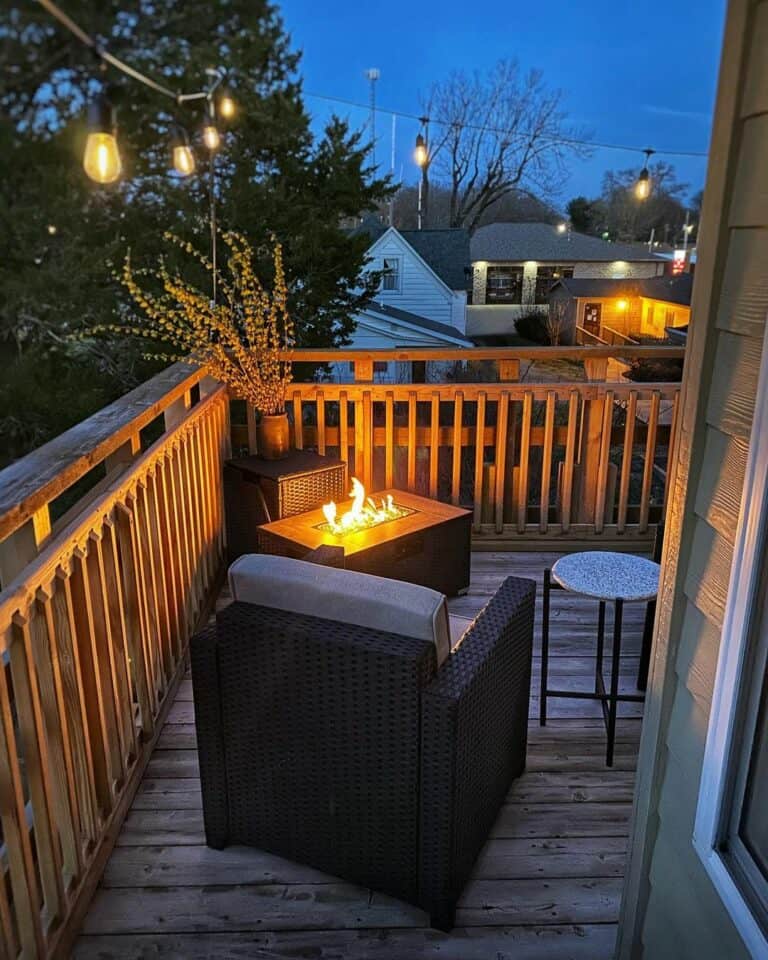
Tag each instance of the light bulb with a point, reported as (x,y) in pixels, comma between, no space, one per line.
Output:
(643,185)
(562,227)
(227,106)
(420,153)
(102,158)
(183,159)
(211,137)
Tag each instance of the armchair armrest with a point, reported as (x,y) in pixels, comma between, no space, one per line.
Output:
(474,734)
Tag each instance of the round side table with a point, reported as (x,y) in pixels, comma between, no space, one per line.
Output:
(607,577)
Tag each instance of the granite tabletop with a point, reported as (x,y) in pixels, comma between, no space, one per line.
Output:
(608,576)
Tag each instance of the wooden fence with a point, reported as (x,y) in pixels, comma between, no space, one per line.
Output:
(93,631)
(567,461)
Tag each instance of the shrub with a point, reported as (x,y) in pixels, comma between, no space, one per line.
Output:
(655,371)
(533,326)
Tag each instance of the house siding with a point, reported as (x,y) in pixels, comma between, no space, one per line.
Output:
(494,319)
(681,915)
(420,292)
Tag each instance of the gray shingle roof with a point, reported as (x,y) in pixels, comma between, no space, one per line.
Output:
(446,251)
(413,318)
(541,241)
(671,289)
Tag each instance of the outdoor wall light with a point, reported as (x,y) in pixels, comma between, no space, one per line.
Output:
(181,152)
(643,185)
(101,160)
(621,304)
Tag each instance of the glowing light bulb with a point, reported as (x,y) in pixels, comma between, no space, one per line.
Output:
(211,137)
(227,107)
(102,158)
(183,160)
(643,185)
(420,153)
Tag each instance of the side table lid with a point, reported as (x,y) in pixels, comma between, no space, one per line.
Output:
(606,575)
(296,463)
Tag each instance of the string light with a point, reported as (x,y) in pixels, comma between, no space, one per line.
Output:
(181,152)
(227,106)
(572,141)
(643,185)
(101,160)
(420,153)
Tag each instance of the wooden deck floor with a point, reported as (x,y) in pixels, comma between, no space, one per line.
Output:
(547,885)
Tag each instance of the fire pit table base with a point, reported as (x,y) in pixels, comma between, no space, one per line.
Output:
(430,546)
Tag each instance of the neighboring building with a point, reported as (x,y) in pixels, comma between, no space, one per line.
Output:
(515,265)
(421,301)
(600,309)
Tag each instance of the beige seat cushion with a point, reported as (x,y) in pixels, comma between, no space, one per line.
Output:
(344,595)
(458,626)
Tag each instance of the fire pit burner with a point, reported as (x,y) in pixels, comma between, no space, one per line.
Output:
(424,541)
(363,513)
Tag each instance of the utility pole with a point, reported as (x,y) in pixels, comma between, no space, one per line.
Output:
(373,74)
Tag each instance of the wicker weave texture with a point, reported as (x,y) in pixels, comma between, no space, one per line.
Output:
(343,748)
(474,735)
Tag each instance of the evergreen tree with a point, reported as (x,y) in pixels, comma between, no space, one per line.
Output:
(61,236)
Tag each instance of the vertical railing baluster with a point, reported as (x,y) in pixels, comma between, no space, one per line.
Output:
(626,460)
(650,454)
(546,460)
(389,440)
(479,459)
(458,416)
(523,482)
(502,422)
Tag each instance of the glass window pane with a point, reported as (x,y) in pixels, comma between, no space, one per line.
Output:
(753,828)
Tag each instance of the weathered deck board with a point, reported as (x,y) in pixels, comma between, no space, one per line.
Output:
(546,886)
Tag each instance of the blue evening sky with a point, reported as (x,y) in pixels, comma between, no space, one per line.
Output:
(637,73)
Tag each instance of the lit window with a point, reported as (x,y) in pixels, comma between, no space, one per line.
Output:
(504,284)
(391,278)
(546,277)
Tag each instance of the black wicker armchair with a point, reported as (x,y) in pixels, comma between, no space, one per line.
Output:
(347,749)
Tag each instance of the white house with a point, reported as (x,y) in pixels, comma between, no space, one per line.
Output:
(515,264)
(422,298)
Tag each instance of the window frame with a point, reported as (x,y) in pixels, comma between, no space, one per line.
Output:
(517,276)
(558,271)
(396,273)
(723,756)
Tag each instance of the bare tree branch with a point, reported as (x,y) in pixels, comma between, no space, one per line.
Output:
(497,133)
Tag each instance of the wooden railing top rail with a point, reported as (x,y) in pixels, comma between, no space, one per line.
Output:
(33,481)
(20,593)
(548,354)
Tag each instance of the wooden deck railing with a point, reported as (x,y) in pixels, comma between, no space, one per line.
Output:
(95,615)
(102,587)
(565,461)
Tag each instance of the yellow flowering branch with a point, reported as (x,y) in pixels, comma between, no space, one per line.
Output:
(243,340)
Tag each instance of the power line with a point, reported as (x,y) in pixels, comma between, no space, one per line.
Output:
(125,68)
(575,141)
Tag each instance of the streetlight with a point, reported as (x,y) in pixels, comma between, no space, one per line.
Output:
(643,184)
(101,160)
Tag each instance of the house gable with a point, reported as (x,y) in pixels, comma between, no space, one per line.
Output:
(420,290)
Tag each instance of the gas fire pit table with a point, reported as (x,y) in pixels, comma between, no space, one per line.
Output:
(427,542)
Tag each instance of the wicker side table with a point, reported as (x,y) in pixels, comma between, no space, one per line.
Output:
(258,491)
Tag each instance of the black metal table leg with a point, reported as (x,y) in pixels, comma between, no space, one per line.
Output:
(645,649)
(544,650)
(613,702)
(600,646)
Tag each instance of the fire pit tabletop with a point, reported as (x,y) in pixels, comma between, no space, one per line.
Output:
(303,529)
